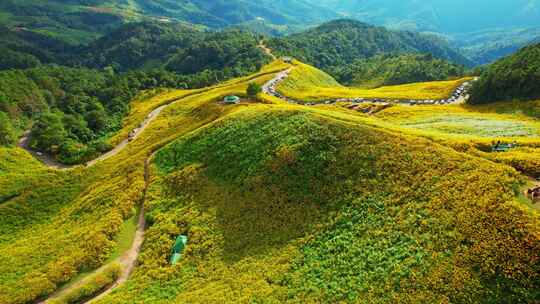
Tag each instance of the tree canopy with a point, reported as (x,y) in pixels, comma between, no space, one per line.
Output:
(514,77)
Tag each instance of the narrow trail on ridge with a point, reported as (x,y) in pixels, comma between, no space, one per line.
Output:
(266,50)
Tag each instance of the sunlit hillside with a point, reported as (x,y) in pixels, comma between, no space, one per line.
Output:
(284,203)
(307,83)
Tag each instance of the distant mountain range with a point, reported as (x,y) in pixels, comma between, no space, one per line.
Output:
(484,30)
(340,42)
(454,17)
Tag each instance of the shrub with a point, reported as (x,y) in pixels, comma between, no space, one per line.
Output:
(90,286)
(253,89)
(7,133)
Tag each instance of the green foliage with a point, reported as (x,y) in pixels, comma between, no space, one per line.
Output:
(514,77)
(48,133)
(70,21)
(91,286)
(7,133)
(209,57)
(23,49)
(340,42)
(395,69)
(321,210)
(253,89)
(347,259)
(89,105)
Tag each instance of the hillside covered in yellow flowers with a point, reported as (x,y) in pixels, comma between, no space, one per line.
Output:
(285,203)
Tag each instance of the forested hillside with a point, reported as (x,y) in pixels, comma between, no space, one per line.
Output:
(76,105)
(221,13)
(487,46)
(77,21)
(22,49)
(341,47)
(514,77)
(73,21)
(85,97)
(390,69)
(174,47)
(146,160)
(72,109)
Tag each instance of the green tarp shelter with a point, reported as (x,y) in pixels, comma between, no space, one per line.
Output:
(178,248)
(231,99)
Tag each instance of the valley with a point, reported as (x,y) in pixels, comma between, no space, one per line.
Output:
(177,152)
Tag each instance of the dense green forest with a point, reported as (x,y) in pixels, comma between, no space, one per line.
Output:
(175,47)
(341,42)
(392,69)
(73,109)
(22,48)
(514,77)
(73,21)
(84,20)
(75,106)
(143,45)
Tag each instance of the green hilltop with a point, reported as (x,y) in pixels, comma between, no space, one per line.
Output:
(282,202)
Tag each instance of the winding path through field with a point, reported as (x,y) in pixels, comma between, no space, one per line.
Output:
(128,260)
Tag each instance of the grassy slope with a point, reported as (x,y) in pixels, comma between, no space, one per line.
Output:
(58,223)
(308,83)
(474,129)
(464,121)
(305,187)
(264,192)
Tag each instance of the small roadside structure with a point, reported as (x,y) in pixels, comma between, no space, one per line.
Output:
(231,99)
(178,248)
(287,59)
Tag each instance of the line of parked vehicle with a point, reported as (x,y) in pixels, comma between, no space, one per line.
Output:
(458,96)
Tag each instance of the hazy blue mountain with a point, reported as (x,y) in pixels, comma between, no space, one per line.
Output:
(485,29)
(456,16)
(489,45)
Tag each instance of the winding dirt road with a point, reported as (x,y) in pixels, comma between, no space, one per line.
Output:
(46,159)
(127,261)
(53,164)
(266,50)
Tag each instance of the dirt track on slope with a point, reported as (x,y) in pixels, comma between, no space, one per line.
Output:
(128,260)
(43,157)
(266,50)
